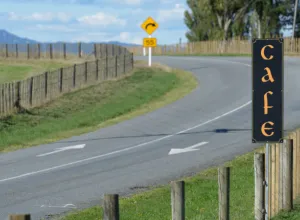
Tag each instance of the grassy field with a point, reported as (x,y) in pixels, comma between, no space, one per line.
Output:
(201,193)
(13,70)
(89,109)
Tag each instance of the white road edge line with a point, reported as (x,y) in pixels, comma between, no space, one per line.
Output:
(64,206)
(126,149)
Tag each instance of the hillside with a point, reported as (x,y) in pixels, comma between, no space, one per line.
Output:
(9,38)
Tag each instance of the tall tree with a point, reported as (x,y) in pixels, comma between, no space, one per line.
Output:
(199,22)
(227,12)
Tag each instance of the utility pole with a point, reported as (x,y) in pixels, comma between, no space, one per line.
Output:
(295,18)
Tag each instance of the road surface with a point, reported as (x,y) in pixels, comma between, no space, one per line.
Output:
(45,180)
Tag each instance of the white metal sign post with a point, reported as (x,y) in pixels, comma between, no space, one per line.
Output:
(150,54)
(149,26)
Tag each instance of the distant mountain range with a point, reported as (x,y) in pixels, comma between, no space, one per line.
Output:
(9,38)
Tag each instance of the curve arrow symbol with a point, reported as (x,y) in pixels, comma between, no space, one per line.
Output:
(152,24)
(187,149)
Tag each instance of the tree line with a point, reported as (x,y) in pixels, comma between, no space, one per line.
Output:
(226,19)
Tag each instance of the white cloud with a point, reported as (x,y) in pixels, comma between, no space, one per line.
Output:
(40,17)
(60,28)
(175,13)
(48,16)
(127,37)
(124,37)
(101,19)
(63,17)
(12,16)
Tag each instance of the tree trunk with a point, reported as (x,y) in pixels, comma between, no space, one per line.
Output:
(258,27)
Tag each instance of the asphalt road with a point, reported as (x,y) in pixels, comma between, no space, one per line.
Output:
(134,153)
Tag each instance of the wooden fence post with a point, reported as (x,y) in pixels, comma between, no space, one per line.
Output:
(111,207)
(51,52)
(97,69)
(259,174)
(297,162)
(18,100)
(46,84)
(31,91)
(74,76)
(116,63)
(288,176)
(61,79)
(178,200)
(17,51)
(79,49)
(106,61)
(132,61)
(124,71)
(224,188)
(6,50)
(19,217)
(95,50)
(28,56)
(85,70)
(65,50)
(39,51)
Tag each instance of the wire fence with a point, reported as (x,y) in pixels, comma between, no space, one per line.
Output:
(234,46)
(60,50)
(40,89)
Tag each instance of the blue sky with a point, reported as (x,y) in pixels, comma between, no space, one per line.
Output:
(93,20)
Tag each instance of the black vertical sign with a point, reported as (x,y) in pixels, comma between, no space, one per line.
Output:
(267,90)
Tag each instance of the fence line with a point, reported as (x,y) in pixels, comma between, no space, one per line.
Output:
(284,176)
(60,50)
(234,46)
(40,89)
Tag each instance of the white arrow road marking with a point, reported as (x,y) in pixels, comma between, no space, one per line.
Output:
(81,146)
(187,149)
(122,150)
(64,206)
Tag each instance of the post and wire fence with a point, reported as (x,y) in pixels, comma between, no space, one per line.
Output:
(235,46)
(60,51)
(40,89)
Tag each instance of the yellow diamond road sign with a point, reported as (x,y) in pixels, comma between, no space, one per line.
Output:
(149,25)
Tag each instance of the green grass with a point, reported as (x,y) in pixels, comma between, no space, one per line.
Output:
(293,215)
(95,107)
(13,70)
(201,193)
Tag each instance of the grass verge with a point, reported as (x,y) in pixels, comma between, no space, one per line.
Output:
(292,215)
(13,69)
(97,106)
(201,193)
